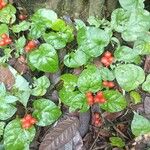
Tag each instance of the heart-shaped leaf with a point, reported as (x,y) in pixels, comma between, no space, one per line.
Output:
(15,137)
(129,76)
(45,58)
(115,101)
(140,125)
(46,112)
(90,80)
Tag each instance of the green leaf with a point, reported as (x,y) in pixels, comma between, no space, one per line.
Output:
(135,97)
(55,39)
(126,54)
(7,100)
(2,124)
(19,44)
(79,24)
(138,24)
(93,40)
(17,138)
(119,19)
(69,81)
(40,86)
(76,59)
(140,125)
(74,99)
(58,25)
(46,112)
(21,87)
(131,4)
(106,74)
(44,59)
(146,84)
(129,76)
(116,141)
(142,45)
(36,30)
(8,14)
(23,26)
(90,80)
(44,16)
(3,29)
(115,101)
(94,21)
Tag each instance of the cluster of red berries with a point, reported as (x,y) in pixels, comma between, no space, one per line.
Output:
(96,120)
(107,59)
(5,40)
(108,84)
(98,98)
(28,121)
(22,17)
(2,4)
(30,46)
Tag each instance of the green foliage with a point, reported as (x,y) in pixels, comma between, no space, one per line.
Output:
(45,58)
(7,100)
(23,26)
(15,137)
(135,97)
(129,76)
(40,86)
(8,14)
(115,101)
(90,41)
(140,125)
(146,84)
(116,141)
(45,111)
(90,80)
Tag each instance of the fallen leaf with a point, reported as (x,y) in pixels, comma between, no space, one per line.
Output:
(6,77)
(147,64)
(61,134)
(147,105)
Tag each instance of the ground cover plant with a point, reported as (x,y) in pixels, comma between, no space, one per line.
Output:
(108,55)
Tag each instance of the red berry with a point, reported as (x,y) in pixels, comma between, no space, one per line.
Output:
(7,40)
(96,115)
(100,94)
(105,83)
(2,43)
(3,4)
(102,100)
(111,84)
(96,99)
(4,36)
(26,125)
(27,49)
(107,54)
(97,122)
(90,100)
(110,60)
(88,94)
(32,44)
(104,60)
(28,117)
(22,17)
(33,121)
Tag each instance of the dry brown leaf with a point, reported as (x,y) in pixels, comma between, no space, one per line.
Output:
(61,134)
(147,64)
(147,105)
(21,65)
(6,77)
(112,116)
